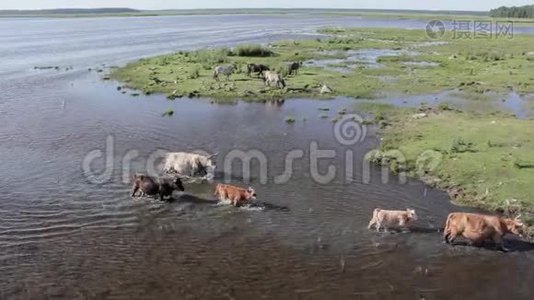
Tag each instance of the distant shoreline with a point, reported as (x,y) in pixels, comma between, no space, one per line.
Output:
(367,13)
(133,12)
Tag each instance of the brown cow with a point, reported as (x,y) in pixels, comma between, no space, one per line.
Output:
(387,218)
(235,195)
(149,186)
(477,228)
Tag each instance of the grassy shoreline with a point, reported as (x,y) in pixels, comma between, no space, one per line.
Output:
(486,159)
(480,160)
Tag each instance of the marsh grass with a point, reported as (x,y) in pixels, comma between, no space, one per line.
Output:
(491,159)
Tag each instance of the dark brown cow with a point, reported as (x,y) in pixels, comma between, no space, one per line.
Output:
(257,68)
(293,67)
(162,187)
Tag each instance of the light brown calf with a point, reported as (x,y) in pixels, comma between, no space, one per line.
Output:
(389,218)
(235,195)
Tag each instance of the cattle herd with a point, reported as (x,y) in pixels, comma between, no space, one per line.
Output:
(270,77)
(476,228)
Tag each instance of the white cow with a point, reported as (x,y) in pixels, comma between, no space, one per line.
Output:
(190,164)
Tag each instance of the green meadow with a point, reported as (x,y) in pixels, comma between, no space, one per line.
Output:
(420,65)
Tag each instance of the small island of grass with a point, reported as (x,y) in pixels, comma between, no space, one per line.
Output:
(360,63)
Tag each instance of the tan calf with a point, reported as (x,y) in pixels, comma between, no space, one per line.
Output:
(391,218)
(235,195)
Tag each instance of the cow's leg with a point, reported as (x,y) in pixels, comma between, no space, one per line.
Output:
(446,235)
(134,190)
(371,223)
(223,196)
(378,225)
(475,238)
(403,224)
(499,243)
(452,235)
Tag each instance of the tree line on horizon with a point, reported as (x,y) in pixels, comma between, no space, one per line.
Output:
(526,11)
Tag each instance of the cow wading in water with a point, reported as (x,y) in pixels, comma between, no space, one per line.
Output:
(149,186)
(186,164)
(478,228)
(391,218)
(236,195)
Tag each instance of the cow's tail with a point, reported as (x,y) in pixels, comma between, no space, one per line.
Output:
(447,229)
(215,74)
(283,82)
(375,213)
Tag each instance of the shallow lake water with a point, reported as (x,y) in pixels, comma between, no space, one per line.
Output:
(62,235)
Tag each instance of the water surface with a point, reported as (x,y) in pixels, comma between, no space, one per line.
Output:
(62,236)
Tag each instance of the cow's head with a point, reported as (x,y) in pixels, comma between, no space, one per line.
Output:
(251,194)
(206,165)
(412,216)
(515,225)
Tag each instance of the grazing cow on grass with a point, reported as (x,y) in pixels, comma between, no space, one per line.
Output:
(293,68)
(224,70)
(257,68)
(271,77)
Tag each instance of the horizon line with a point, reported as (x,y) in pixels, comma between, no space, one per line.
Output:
(234,8)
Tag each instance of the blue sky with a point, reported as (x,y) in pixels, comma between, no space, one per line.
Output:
(185,4)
